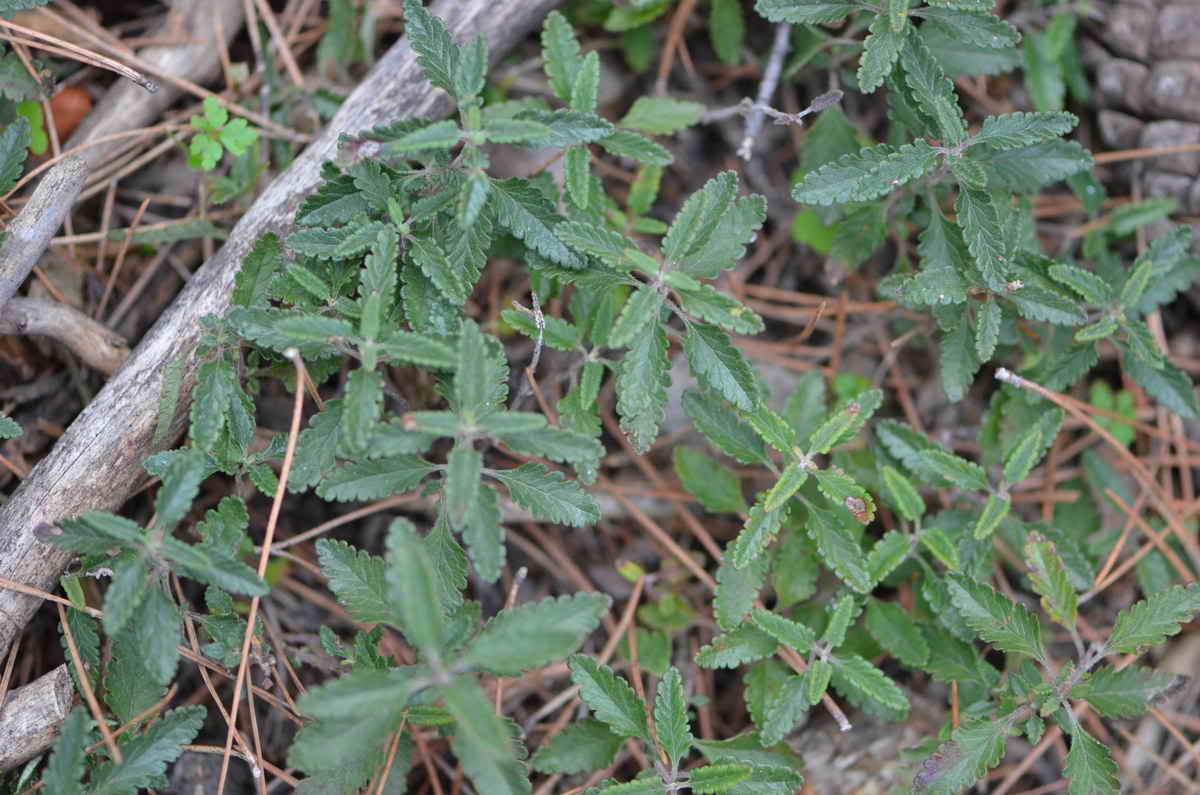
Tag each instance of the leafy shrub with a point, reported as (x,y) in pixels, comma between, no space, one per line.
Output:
(384,257)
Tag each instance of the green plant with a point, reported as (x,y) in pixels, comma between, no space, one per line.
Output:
(385,257)
(216,134)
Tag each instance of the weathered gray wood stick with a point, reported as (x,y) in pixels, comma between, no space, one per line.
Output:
(29,233)
(97,462)
(31,716)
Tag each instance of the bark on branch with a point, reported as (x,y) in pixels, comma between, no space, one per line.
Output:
(97,462)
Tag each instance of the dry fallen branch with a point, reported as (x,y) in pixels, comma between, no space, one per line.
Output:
(32,715)
(97,462)
(30,232)
(96,345)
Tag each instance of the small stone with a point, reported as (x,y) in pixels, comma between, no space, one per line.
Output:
(1121,84)
(1173,90)
(1120,130)
(1129,28)
(1176,32)
(1162,134)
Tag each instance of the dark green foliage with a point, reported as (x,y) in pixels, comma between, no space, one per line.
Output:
(376,290)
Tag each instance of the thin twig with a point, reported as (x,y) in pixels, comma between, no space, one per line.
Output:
(766,88)
(85,685)
(85,56)
(263,558)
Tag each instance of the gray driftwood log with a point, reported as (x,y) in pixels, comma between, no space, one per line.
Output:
(32,715)
(97,462)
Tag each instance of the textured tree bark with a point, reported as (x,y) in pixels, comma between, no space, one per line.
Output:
(31,716)
(97,462)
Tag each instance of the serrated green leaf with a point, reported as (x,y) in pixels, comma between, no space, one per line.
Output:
(413,585)
(1096,332)
(419,349)
(1037,303)
(841,490)
(434,263)
(357,580)
(839,550)
(482,741)
(640,310)
(718,778)
(464,466)
(642,388)
(894,630)
(790,633)
(903,494)
(671,717)
(1027,169)
(727,30)
(784,710)
(1128,692)
(156,632)
(981,230)
(14,148)
(888,553)
(932,89)
(360,480)
(709,304)
(525,212)
(484,536)
(362,407)
(1012,130)
(773,429)
(514,131)
(548,495)
(942,547)
(437,135)
(760,529)
(353,717)
(957,764)
(1167,384)
(578,175)
(65,766)
(869,174)
(959,471)
(130,585)
(582,747)
(1154,619)
(717,488)
(610,697)
(145,756)
(661,115)
(976,30)
(794,475)
(737,589)
(881,50)
(853,672)
(436,52)
(722,428)
(1005,624)
(529,636)
(1050,580)
(560,54)
(806,11)
(697,221)
(624,143)
(845,422)
(1090,766)
(842,613)
(742,645)
(1025,455)
(994,512)
(987,330)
